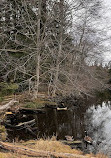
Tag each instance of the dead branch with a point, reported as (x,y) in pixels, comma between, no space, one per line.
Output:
(8,105)
(21,125)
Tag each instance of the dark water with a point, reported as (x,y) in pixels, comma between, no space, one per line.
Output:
(96,119)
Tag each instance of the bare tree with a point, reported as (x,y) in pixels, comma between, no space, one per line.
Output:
(47,44)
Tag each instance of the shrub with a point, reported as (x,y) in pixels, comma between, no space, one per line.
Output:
(7,88)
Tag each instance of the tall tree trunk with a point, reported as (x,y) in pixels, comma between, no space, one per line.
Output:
(37,73)
(38,51)
(40,33)
(43,17)
(60,47)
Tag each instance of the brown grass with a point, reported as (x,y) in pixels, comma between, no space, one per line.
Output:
(49,145)
(100,155)
(12,155)
(55,146)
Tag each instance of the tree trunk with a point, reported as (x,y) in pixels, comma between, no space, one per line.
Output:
(37,74)
(40,35)
(60,47)
(38,51)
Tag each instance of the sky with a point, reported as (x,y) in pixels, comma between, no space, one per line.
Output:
(107,24)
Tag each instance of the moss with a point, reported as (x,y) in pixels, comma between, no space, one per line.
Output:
(7,88)
(3,134)
(1,99)
(38,103)
(2,129)
(32,105)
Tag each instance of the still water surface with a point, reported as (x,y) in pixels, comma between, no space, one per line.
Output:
(98,121)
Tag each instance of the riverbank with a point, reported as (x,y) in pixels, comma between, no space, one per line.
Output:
(44,148)
(27,100)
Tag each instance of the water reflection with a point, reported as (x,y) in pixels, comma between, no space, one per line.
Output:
(98,121)
(54,122)
(62,123)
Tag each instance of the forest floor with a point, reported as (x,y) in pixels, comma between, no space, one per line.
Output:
(27,101)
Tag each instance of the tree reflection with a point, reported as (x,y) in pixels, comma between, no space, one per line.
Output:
(99,125)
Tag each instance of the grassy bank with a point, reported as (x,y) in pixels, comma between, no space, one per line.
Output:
(49,145)
(27,101)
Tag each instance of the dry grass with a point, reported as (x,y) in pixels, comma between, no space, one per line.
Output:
(52,146)
(12,155)
(49,145)
(99,155)
(55,146)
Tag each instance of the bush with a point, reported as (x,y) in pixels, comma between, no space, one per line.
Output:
(1,99)
(7,88)
(37,104)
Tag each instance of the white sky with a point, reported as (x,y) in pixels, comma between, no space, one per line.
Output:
(107,23)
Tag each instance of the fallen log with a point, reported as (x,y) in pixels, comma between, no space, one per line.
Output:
(37,153)
(21,125)
(72,142)
(65,108)
(26,123)
(53,106)
(31,111)
(8,105)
